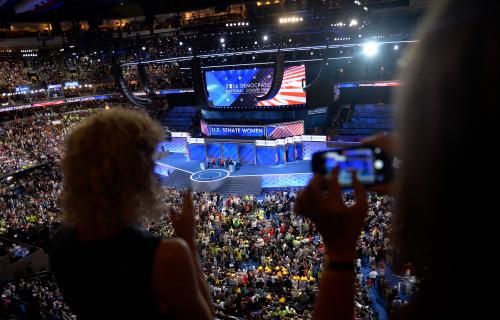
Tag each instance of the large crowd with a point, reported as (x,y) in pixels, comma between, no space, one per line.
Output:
(27,143)
(33,298)
(261,260)
(36,140)
(91,70)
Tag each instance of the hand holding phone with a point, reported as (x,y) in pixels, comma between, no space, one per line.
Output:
(339,225)
(371,164)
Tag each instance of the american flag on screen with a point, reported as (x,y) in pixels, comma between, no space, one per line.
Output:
(291,91)
(204,128)
(284,130)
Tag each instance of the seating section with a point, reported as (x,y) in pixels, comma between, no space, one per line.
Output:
(180,118)
(367,120)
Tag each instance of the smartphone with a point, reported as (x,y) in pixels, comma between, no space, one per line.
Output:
(372,165)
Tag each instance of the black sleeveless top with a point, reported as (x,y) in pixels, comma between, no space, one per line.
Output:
(106,278)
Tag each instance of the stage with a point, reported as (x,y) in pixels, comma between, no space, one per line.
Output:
(177,170)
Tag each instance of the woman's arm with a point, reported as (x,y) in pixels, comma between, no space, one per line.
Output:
(340,227)
(184,225)
(176,282)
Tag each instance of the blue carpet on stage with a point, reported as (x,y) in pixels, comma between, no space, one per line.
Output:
(288,168)
(290,174)
(182,162)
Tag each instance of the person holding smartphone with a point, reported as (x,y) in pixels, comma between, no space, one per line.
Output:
(439,119)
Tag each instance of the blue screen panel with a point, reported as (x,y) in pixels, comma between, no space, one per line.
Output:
(298,151)
(213,150)
(247,153)
(281,154)
(241,87)
(197,152)
(266,156)
(230,151)
(290,152)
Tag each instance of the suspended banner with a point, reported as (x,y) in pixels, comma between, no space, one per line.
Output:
(79,99)
(76,99)
(48,103)
(236,131)
(317,111)
(15,108)
(23,89)
(71,84)
(370,84)
(272,131)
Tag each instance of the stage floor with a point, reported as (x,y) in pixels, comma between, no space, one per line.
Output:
(291,174)
(181,161)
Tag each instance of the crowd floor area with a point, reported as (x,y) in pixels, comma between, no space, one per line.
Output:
(261,260)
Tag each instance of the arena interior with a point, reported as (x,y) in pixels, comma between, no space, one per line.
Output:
(245,92)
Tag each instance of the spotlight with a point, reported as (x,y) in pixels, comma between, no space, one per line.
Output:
(189,49)
(143,48)
(265,38)
(396,47)
(180,43)
(255,42)
(353,22)
(370,49)
(222,40)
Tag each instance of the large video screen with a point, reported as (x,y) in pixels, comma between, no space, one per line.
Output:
(36,6)
(242,87)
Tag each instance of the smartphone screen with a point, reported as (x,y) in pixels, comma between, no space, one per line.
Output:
(362,160)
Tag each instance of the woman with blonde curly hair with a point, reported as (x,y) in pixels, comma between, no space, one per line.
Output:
(105,263)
